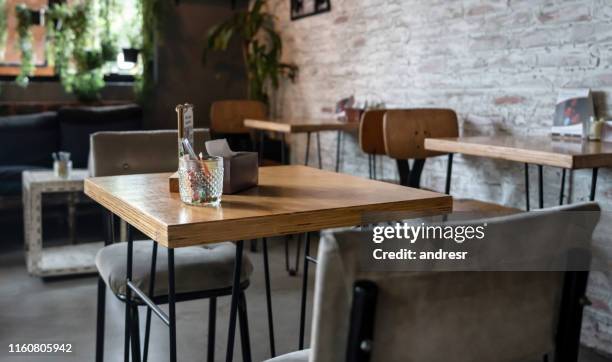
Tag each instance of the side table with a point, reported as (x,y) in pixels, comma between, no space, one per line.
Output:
(58,260)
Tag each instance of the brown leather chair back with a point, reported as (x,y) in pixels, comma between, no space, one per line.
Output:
(405,131)
(228,117)
(371,138)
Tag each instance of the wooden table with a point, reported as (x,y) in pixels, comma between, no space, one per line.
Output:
(292,126)
(288,200)
(563,152)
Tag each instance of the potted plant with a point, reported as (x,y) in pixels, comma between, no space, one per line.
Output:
(261,48)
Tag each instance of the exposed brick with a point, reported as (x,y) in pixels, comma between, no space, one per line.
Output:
(508,100)
(499,64)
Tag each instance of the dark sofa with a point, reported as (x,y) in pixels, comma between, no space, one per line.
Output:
(27,141)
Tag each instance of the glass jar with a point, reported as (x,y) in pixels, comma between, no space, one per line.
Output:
(201,181)
(62,169)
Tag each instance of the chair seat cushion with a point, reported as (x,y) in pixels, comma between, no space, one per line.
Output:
(197,268)
(299,356)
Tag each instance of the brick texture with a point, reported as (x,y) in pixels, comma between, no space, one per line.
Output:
(498,63)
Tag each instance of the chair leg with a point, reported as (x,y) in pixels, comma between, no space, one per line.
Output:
(292,271)
(100,320)
(244,328)
(212,325)
(135,333)
(415,174)
(403,168)
(145,353)
(253,245)
(304,291)
(370,174)
(128,295)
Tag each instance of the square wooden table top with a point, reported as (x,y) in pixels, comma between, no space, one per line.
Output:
(288,200)
(565,152)
(300,126)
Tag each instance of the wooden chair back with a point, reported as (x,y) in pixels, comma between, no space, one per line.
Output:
(227,117)
(405,130)
(371,138)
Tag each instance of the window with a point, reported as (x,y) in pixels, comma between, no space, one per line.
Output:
(124,24)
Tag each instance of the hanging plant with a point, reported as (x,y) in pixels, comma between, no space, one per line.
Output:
(261,48)
(24,22)
(78,64)
(152,14)
(3,28)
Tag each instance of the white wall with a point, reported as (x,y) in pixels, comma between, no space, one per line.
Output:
(498,63)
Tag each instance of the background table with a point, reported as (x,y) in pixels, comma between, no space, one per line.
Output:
(58,260)
(563,152)
(292,126)
(288,200)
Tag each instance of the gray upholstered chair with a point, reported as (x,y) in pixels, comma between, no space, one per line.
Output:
(201,272)
(462,315)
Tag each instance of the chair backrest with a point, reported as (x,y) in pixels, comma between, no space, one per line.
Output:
(405,131)
(135,152)
(227,117)
(440,316)
(371,138)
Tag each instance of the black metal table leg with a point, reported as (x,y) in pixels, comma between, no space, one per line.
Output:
(562,190)
(374,166)
(108,239)
(449,173)
(304,292)
(261,146)
(338,145)
(593,184)
(282,138)
(319,149)
(171,305)
(527,186)
(100,320)
(541,186)
(145,352)
(234,303)
(245,340)
(307,149)
(268,298)
(128,295)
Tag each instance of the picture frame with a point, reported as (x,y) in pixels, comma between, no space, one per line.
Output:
(303,8)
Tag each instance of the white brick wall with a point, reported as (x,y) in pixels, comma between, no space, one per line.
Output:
(498,63)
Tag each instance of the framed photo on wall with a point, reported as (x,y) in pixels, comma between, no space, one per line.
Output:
(303,8)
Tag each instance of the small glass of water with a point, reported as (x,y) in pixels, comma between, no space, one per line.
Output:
(201,181)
